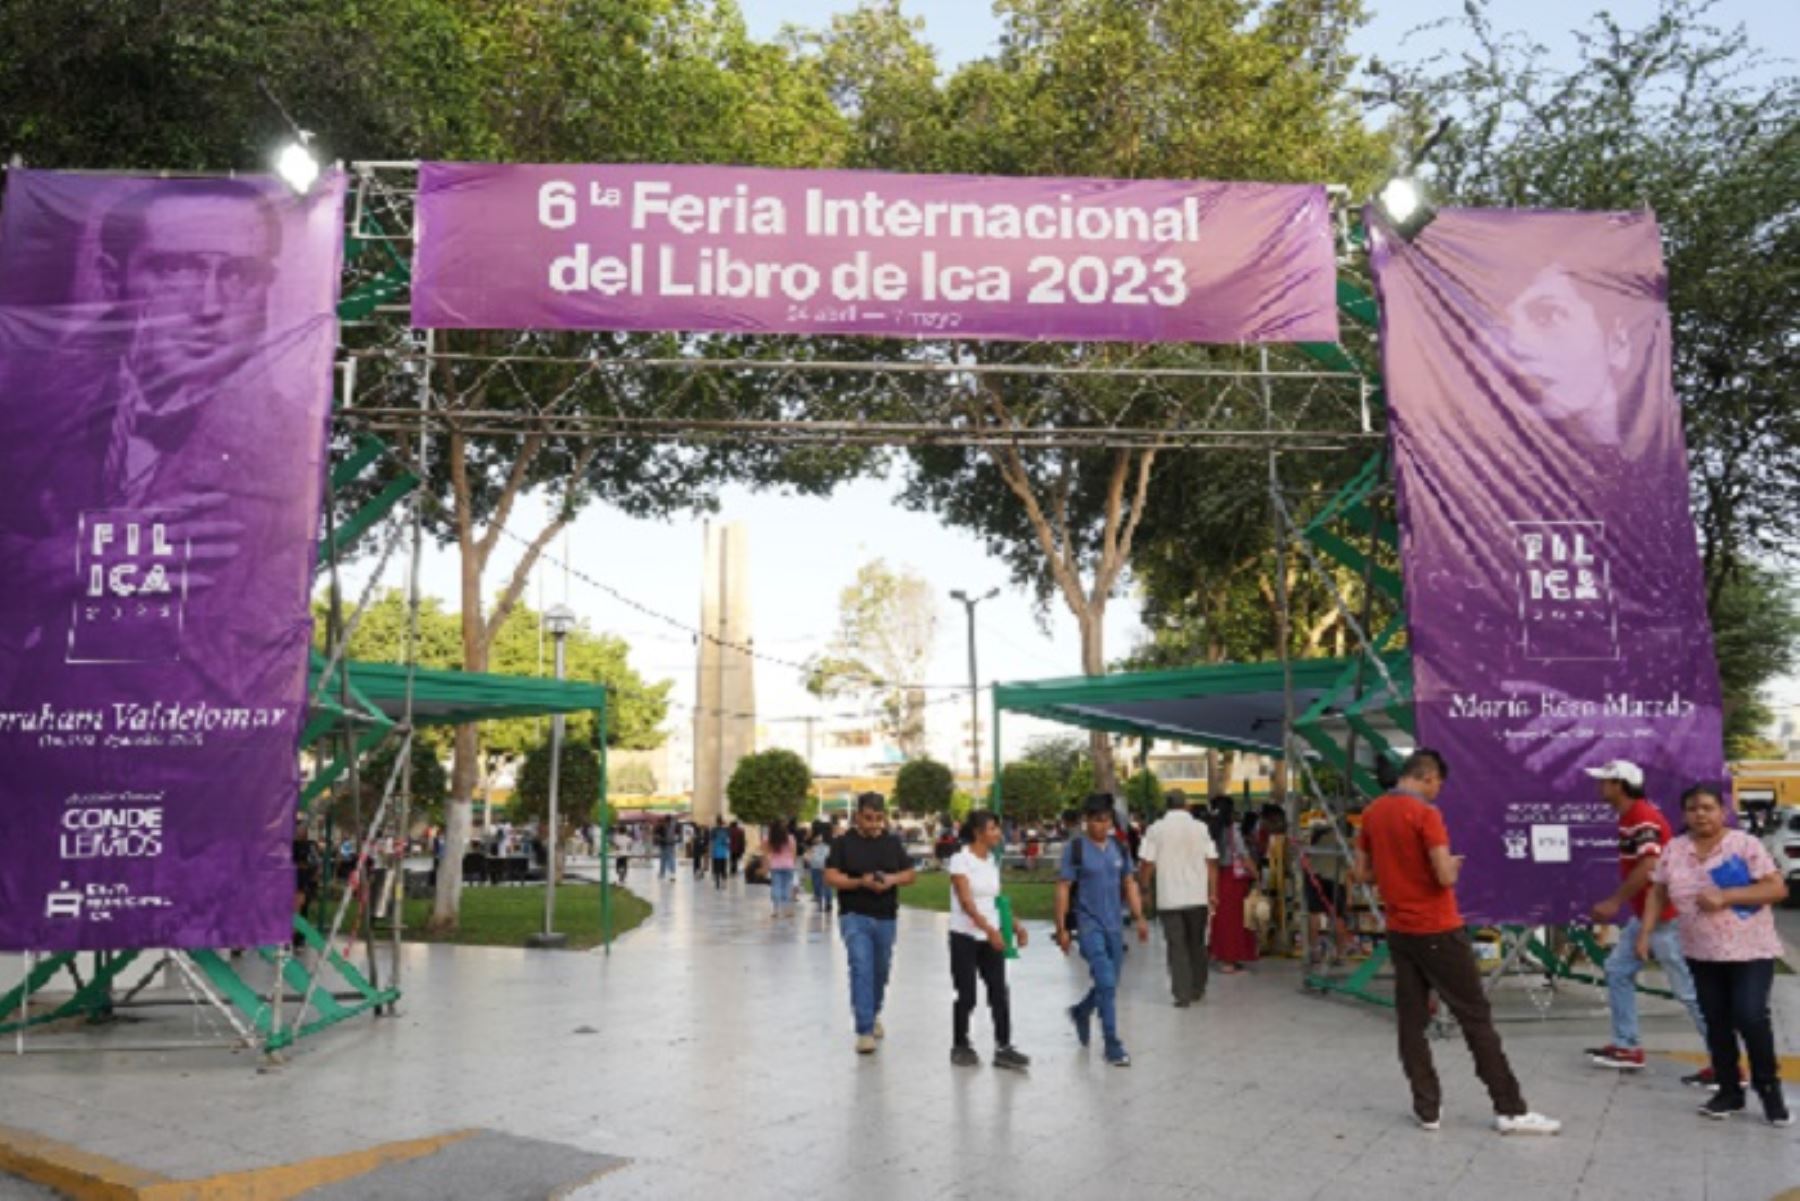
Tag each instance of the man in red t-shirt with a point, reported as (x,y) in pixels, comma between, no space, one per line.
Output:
(1643,832)
(1405,849)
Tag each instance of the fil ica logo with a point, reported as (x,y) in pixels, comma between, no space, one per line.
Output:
(64,902)
(1567,610)
(133,588)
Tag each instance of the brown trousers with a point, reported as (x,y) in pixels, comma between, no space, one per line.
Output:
(1445,964)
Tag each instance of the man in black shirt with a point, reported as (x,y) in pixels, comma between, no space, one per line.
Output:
(866,866)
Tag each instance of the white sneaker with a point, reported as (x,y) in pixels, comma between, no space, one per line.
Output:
(1436,1123)
(879,1032)
(1526,1123)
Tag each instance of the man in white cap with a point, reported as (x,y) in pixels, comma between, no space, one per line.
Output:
(1643,832)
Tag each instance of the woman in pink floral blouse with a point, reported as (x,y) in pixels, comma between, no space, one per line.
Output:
(1723,885)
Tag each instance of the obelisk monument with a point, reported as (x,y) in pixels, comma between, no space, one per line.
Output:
(725,708)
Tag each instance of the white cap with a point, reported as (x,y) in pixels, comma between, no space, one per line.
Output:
(1622,770)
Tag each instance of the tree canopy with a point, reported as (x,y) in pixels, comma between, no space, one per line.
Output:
(1029,792)
(887,626)
(769,786)
(924,788)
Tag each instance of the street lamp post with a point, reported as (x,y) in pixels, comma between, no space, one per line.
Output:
(969,603)
(559,620)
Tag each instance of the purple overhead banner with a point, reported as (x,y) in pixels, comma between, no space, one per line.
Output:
(749,251)
(165,385)
(1553,586)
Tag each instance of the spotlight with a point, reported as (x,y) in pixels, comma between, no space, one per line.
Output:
(1402,201)
(297,166)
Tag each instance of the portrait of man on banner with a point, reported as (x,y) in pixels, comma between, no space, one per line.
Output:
(165,367)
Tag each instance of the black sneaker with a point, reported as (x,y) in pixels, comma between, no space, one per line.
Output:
(1723,1104)
(1774,1104)
(1083,1024)
(1007,1057)
(965,1057)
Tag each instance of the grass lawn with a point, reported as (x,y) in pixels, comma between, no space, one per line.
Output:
(1033,893)
(502,916)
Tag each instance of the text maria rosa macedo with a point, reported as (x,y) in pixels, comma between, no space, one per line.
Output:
(1615,704)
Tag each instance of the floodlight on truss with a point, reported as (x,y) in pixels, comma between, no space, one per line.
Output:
(1403,203)
(296,165)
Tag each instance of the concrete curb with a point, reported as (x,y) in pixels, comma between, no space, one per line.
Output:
(85,1176)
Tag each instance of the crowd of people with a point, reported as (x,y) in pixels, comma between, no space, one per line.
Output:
(1699,903)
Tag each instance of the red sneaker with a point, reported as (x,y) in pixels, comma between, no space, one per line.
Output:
(1704,1078)
(1629,1059)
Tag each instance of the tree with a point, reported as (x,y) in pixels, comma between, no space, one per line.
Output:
(373,79)
(1679,116)
(430,783)
(577,792)
(924,788)
(1756,635)
(1066,757)
(887,625)
(1143,794)
(1029,792)
(631,779)
(1222,89)
(769,786)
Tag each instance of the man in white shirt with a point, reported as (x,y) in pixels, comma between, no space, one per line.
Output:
(1179,857)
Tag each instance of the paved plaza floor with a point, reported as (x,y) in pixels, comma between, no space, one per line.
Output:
(712,1051)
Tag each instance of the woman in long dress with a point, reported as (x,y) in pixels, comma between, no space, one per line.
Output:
(1233,945)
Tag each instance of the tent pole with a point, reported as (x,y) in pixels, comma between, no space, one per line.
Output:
(1283,618)
(605,835)
(994,784)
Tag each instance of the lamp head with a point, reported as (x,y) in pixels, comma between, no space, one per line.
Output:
(559,620)
(960,595)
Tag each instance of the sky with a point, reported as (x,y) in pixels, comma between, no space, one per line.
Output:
(967,29)
(804,551)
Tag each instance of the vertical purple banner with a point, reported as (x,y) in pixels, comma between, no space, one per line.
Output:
(165,388)
(1553,586)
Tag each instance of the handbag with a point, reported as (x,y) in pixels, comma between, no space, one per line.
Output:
(1257,910)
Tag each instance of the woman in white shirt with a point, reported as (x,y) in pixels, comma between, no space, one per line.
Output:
(977,947)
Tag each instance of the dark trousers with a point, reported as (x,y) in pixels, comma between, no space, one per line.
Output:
(1445,964)
(971,957)
(1734,999)
(1185,932)
(719,868)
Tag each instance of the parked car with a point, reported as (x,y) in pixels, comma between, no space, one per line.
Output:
(1782,838)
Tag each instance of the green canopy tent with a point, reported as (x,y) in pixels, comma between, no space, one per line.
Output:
(1224,706)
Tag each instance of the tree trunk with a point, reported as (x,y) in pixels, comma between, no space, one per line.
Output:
(1215,774)
(465,767)
(1091,620)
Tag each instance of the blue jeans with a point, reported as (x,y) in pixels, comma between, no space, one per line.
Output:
(821,894)
(1104,951)
(781,886)
(1622,967)
(869,942)
(667,866)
